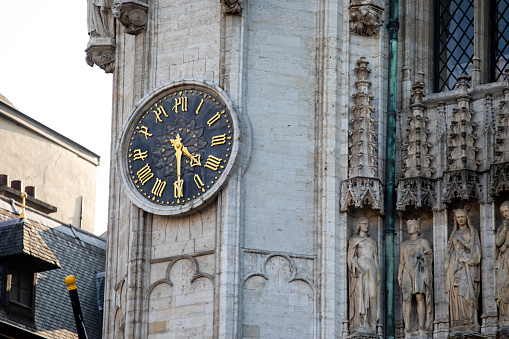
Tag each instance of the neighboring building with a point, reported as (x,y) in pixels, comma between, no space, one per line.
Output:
(39,251)
(62,171)
(336,115)
(36,254)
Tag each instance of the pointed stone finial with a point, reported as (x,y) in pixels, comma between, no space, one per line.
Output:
(464,82)
(23,206)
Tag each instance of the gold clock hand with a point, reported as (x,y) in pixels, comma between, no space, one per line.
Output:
(195,160)
(178,185)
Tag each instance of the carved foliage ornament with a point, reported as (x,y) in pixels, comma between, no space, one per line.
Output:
(365,17)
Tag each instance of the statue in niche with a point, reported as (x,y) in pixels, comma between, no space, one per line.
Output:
(363,280)
(502,267)
(463,273)
(415,278)
(100,19)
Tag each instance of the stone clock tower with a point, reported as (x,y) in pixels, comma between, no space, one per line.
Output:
(299,169)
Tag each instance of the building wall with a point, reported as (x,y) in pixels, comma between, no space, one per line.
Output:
(63,177)
(268,257)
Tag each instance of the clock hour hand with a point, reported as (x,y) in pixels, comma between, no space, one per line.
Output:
(195,159)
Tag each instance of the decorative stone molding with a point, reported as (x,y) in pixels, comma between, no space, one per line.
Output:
(415,159)
(132,15)
(501,151)
(499,179)
(366,17)
(361,191)
(232,6)
(461,152)
(363,145)
(417,192)
(463,184)
(101,52)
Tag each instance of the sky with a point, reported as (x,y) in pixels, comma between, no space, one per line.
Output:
(43,73)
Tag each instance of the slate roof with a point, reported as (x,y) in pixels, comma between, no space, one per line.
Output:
(79,253)
(21,239)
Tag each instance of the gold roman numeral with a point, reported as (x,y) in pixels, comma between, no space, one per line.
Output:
(138,154)
(159,110)
(182,102)
(145,174)
(158,188)
(212,163)
(178,186)
(199,107)
(218,140)
(198,182)
(214,119)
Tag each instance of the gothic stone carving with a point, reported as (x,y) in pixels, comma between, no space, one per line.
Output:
(132,15)
(415,191)
(502,131)
(461,153)
(462,184)
(502,267)
(101,52)
(416,160)
(232,6)
(359,191)
(363,280)
(415,278)
(365,17)
(101,46)
(499,179)
(463,278)
(363,158)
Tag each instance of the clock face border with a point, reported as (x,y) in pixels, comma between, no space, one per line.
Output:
(129,127)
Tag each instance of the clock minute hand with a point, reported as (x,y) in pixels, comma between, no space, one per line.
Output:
(178,185)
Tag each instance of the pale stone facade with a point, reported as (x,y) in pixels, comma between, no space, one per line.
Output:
(308,79)
(62,171)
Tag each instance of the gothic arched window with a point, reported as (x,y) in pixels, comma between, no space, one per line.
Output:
(469,29)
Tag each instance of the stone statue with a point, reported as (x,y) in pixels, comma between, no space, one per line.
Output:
(416,281)
(463,273)
(363,280)
(100,18)
(502,267)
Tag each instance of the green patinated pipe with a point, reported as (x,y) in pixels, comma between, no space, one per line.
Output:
(390,174)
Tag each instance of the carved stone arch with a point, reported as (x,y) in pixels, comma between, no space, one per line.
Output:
(284,256)
(279,289)
(197,273)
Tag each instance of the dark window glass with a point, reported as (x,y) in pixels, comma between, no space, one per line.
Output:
(454,45)
(502,38)
(21,287)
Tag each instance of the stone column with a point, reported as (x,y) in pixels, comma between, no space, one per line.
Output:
(441,323)
(489,307)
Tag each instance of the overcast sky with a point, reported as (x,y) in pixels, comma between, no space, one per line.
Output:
(44,74)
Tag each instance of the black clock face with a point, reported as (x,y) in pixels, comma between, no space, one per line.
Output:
(179,147)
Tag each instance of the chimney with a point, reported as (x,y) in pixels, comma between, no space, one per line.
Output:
(17,185)
(31,191)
